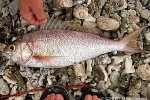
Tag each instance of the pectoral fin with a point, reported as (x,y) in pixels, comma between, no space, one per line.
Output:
(45,58)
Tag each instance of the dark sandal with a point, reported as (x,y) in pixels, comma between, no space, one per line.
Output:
(55,89)
(91,91)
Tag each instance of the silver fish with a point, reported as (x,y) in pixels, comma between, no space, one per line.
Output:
(57,48)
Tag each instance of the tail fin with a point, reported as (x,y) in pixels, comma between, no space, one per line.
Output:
(130,41)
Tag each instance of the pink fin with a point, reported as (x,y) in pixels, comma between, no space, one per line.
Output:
(44,58)
(130,41)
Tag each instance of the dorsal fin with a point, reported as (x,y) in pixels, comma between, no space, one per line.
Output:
(55,23)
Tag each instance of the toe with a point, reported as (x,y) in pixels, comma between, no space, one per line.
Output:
(59,97)
(50,96)
(94,97)
(88,97)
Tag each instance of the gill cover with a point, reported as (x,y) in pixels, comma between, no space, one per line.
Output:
(25,52)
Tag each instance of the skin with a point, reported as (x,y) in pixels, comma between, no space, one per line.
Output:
(60,97)
(32,12)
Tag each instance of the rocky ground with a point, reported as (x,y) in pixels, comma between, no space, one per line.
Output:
(117,74)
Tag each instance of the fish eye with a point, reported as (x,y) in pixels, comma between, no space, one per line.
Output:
(12,48)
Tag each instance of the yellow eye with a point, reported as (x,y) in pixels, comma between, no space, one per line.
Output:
(12,48)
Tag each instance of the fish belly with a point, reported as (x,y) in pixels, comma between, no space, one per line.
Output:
(68,47)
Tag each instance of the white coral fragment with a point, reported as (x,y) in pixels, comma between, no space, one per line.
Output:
(112,67)
(129,68)
(118,59)
(89,67)
(114,94)
(90,18)
(9,81)
(79,70)
(80,12)
(105,72)
(4,89)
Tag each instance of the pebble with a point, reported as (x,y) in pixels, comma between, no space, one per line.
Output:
(62,3)
(114,78)
(134,19)
(90,18)
(105,23)
(2,46)
(144,2)
(147,36)
(13,7)
(80,12)
(114,94)
(23,22)
(5,11)
(31,28)
(147,60)
(118,59)
(101,85)
(105,59)
(138,6)
(134,87)
(79,70)
(132,12)
(145,13)
(146,92)
(124,80)
(98,72)
(113,67)
(3,3)
(143,72)
(78,2)
(4,89)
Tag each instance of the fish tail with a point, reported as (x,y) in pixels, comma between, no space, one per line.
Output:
(130,43)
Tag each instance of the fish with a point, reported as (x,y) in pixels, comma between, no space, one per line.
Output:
(63,46)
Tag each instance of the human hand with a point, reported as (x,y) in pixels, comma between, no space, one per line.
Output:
(32,11)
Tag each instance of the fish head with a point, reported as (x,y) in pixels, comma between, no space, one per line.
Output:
(18,52)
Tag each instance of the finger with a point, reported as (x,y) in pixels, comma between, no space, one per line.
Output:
(32,19)
(38,22)
(37,9)
(59,97)
(24,9)
(88,97)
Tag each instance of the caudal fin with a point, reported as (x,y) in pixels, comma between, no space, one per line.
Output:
(130,41)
